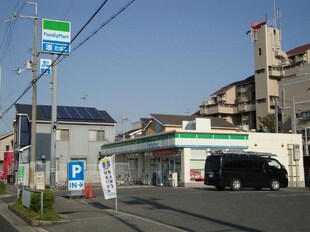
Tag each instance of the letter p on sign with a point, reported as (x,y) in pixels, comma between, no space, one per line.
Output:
(76,169)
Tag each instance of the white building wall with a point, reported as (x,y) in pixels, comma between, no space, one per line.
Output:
(282,146)
(185,166)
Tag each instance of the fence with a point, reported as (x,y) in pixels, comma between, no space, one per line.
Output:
(91,174)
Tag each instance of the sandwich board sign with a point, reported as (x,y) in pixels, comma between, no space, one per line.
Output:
(76,175)
(56,36)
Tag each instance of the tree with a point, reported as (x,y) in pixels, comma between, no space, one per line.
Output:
(267,123)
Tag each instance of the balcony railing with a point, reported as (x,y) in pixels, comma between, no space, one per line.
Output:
(219,109)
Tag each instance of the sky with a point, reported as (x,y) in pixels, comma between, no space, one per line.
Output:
(157,56)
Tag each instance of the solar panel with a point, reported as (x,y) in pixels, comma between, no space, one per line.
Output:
(84,113)
(72,111)
(48,111)
(94,113)
(62,113)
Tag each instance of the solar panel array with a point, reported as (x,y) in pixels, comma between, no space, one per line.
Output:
(72,112)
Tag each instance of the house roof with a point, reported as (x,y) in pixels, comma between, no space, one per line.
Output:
(227,87)
(176,120)
(298,50)
(67,113)
(6,135)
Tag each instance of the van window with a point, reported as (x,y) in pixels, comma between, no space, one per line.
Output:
(274,163)
(213,163)
(237,162)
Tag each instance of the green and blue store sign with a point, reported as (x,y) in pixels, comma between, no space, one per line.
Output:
(177,140)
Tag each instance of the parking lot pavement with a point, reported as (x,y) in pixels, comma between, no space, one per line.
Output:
(185,209)
(91,215)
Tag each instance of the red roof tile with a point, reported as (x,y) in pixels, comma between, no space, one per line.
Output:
(298,50)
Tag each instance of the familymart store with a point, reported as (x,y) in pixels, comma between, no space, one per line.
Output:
(173,158)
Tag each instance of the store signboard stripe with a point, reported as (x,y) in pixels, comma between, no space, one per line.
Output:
(56,25)
(58,42)
(177,135)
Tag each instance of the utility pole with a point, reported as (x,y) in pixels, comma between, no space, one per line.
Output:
(276,117)
(293,116)
(54,123)
(34,91)
(124,120)
(34,98)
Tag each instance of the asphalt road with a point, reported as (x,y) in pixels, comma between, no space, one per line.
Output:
(206,209)
(6,225)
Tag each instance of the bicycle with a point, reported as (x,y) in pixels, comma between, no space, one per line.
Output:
(122,180)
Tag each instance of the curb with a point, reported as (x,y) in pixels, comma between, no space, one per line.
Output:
(32,222)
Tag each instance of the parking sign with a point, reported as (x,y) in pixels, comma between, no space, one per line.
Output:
(76,175)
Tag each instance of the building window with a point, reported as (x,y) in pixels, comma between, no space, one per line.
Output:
(62,134)
(262,100)
(96,135)
(259,51)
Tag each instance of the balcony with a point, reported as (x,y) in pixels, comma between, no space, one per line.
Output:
(208,102)
(245,106)
(219,109)
(221,98)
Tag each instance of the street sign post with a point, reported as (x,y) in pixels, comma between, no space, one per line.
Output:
(56,36)
(76,175)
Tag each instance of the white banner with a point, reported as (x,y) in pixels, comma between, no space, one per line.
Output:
(107,176)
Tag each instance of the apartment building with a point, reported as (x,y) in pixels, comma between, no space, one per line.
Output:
(278,76)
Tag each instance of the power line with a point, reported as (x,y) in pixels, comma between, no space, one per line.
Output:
(56,60)
(7,39)
(103,24)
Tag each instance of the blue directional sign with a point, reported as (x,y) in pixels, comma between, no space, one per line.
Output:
(76,175)
(45,64)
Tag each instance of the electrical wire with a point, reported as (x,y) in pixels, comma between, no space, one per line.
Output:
(7,39)
(56,60)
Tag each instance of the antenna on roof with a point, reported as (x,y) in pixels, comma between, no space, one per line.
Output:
(277,15)
(278,18)
(84,98)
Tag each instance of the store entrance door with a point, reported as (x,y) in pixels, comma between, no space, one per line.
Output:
(165,167)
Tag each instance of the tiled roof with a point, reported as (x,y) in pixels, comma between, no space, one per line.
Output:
(170,119)
(227,87)
(298,50)
(42,116)
(176,120)
(145,121)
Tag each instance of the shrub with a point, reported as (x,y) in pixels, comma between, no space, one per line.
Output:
(35,202)
(48,201)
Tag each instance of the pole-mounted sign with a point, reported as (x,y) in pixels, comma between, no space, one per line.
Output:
(45,67)
(56,36)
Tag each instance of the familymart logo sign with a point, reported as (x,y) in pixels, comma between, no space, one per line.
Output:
(56,36)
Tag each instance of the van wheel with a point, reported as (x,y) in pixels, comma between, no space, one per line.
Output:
(220,188)
(274,185)
(235,184)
